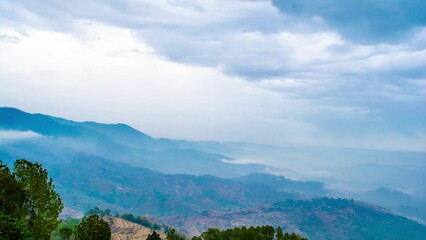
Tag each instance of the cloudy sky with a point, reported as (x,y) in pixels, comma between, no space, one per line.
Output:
(326,72)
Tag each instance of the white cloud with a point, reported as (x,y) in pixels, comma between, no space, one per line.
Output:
(8,135)
(181,69)
(90,76)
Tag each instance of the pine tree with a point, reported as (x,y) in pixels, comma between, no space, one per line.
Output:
(93,228)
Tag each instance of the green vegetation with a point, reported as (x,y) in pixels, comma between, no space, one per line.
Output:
(13,228)
(173,235)
(29,204)
(65,233)
(153,236)
(258,233)
(141,220)
(93,228)
(60,233)
(99,212)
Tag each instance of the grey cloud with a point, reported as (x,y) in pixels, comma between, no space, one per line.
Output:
(8,38)
(243,38)
(362,21)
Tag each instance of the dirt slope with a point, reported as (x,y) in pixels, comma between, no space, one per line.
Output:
(125,230)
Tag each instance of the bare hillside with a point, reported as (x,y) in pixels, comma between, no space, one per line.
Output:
(125,230)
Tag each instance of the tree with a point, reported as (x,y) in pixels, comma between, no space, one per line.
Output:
(13,228)
(211,234)
(293,236)
(173,235)
(11,194)
(98,211)
(42,205)
(93,228)
(65,233)
(279,235)
(153,236)
(259,233)
(267,232)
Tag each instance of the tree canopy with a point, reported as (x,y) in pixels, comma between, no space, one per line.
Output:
(65,233)
(153,236)
(173,235)
(28,199)
(92,227)
(260,233)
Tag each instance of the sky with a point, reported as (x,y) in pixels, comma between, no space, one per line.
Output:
(325,73)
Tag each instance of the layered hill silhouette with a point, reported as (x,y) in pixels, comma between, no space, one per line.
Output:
(119,142)
(117,167)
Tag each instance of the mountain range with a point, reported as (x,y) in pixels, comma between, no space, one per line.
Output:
(191,185)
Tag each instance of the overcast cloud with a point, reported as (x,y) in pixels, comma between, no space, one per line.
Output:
(325,72)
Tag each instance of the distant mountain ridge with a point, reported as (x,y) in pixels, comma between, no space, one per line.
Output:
(115,166)
(121,143)
(281,183)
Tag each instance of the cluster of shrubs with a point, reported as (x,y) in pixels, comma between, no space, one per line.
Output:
(258,233)
(144,221)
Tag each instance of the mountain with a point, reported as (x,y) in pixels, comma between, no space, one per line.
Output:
(397,201)
(62,139)
(321,218)
(88,181)
(189,185)
(281,183)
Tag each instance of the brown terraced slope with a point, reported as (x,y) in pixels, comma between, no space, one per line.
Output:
(124,230)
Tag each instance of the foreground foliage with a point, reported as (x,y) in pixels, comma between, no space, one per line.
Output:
(93,228)
(153,236)
(64,228)
(258,233)
(174,235)
(29,204)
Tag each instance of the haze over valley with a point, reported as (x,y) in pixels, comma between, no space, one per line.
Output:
(117,167)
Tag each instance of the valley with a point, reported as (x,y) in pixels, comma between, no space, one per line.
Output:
(195,185)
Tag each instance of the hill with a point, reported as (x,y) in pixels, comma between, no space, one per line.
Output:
(397,201)
(281,183)
(88,181)
(321,218)
(125,230)
(62,139)
(117,167)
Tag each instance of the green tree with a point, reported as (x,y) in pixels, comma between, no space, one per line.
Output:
(98,211)
(11,194)
(65,233)
(267,232)
(255,233)
(173,235)
(211,234)
(153,236)
(93,228)
(13,228)
(293,236)
(42,205)
(279,233)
